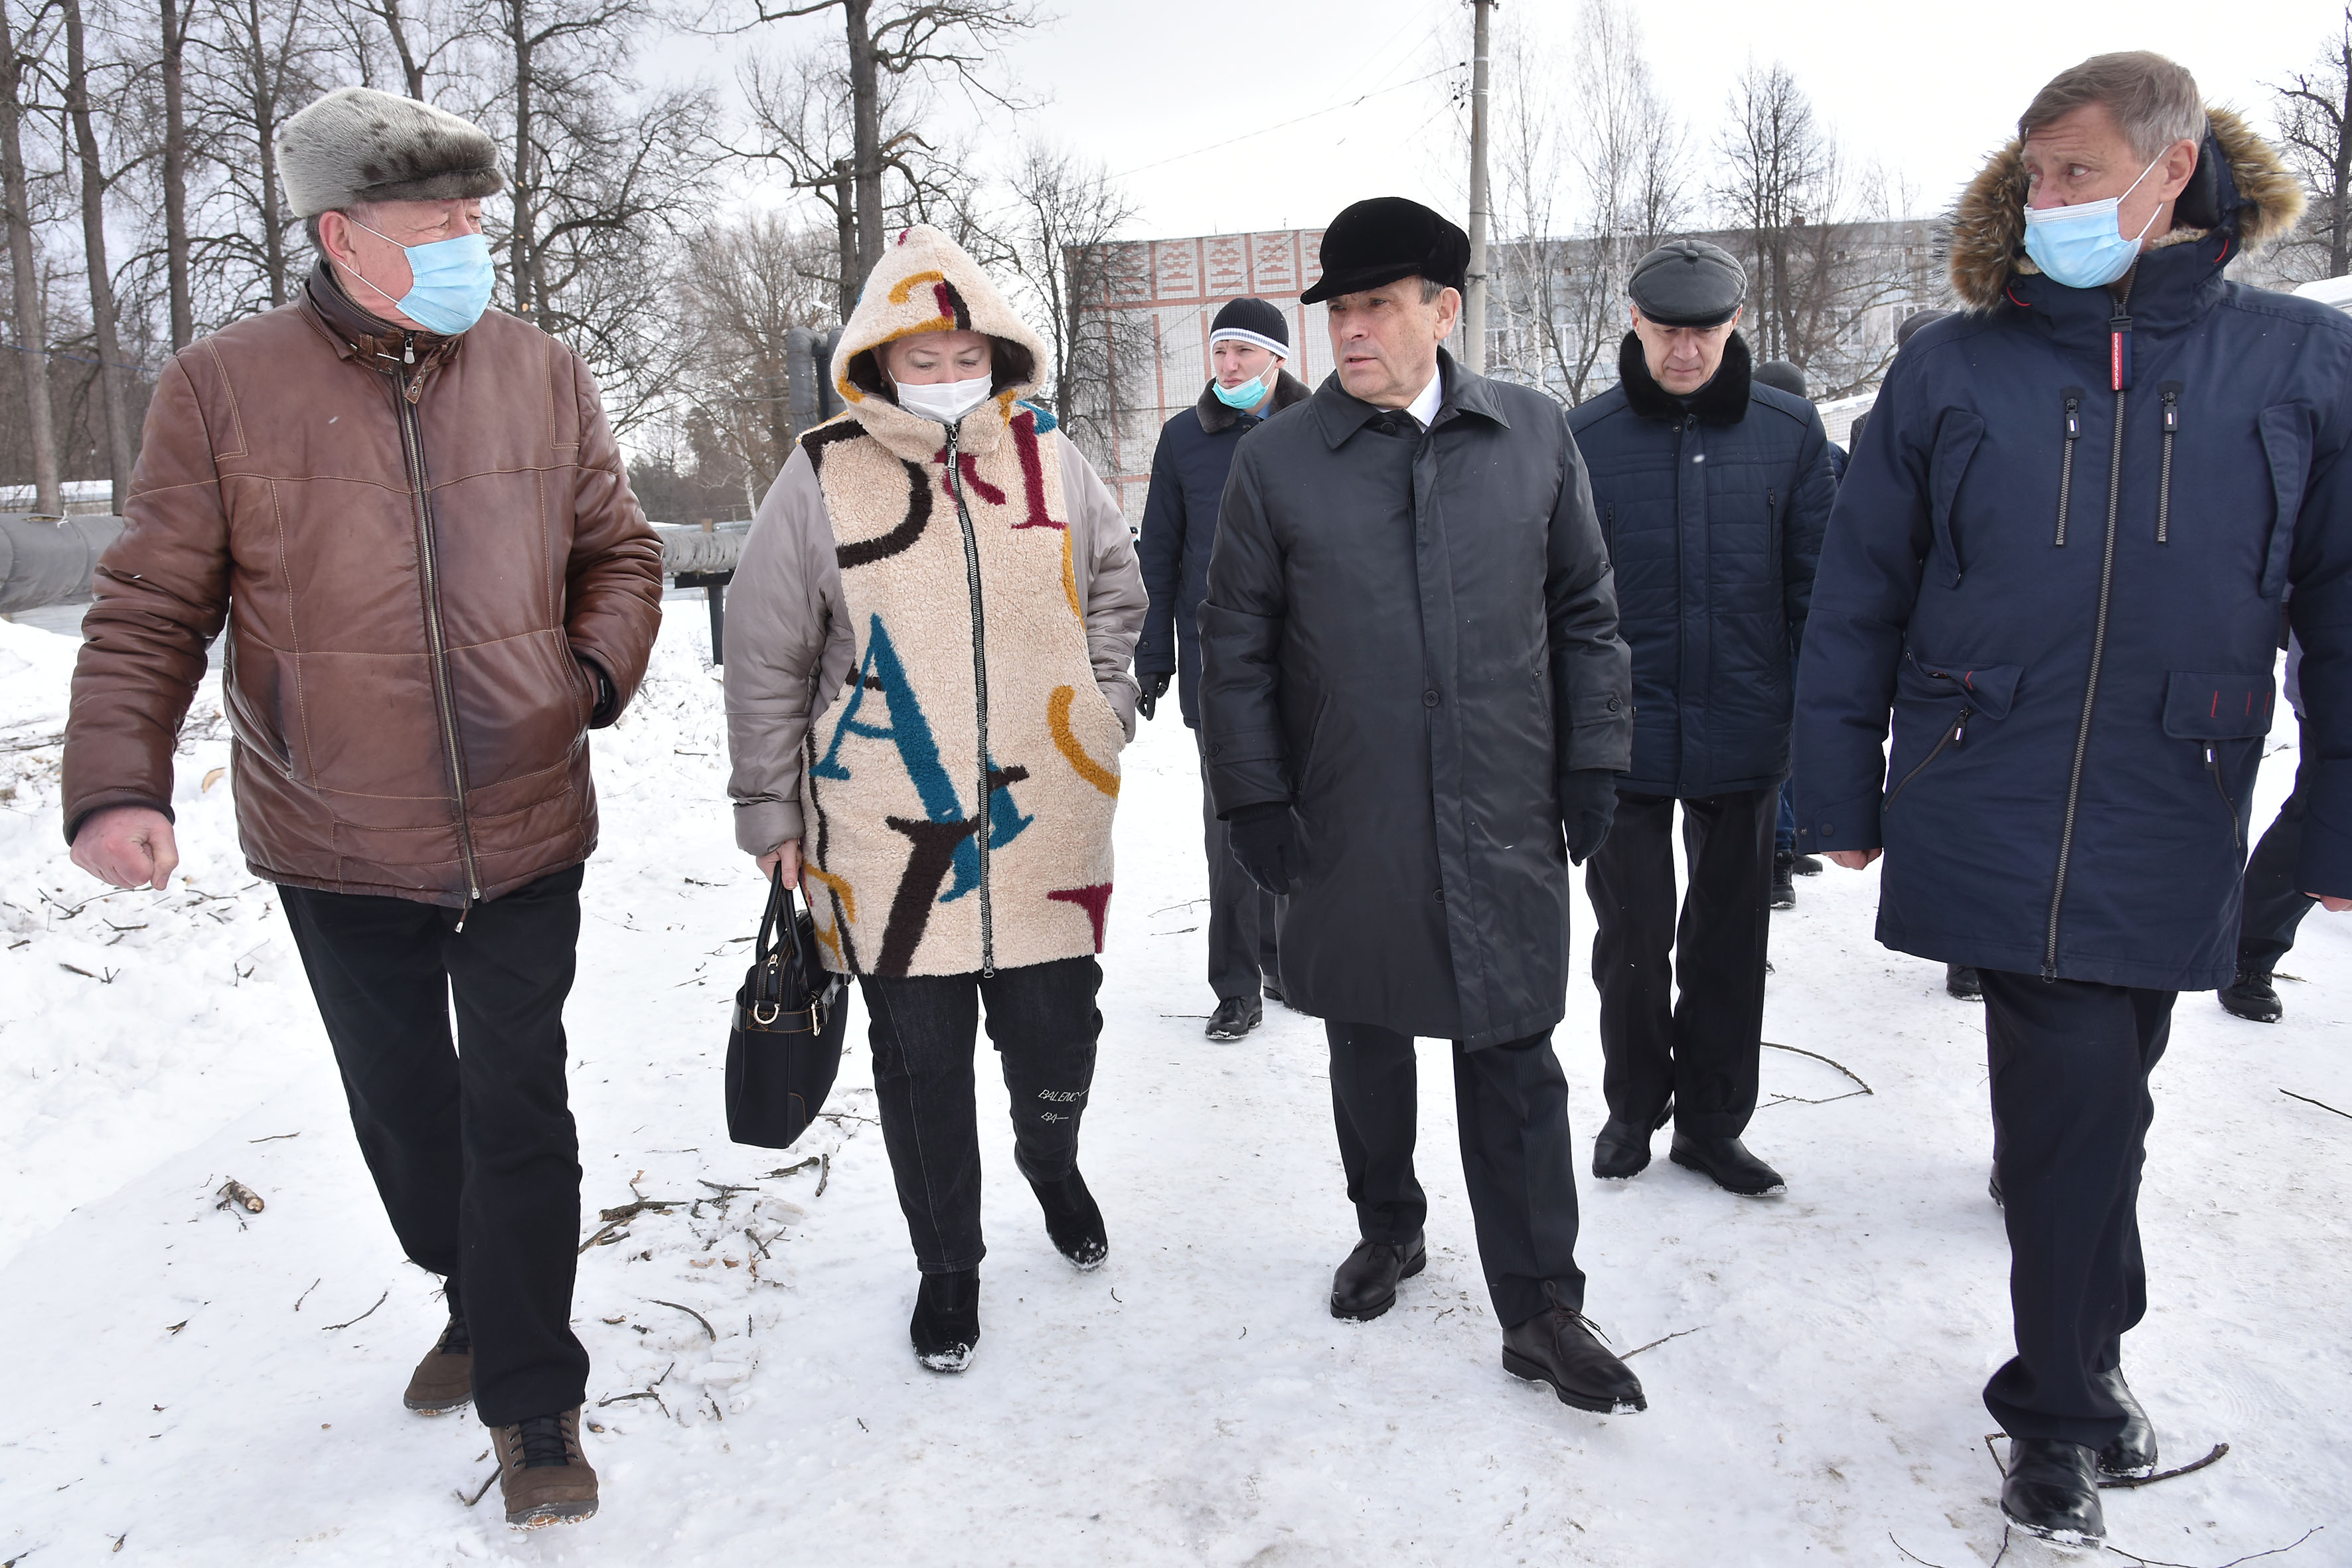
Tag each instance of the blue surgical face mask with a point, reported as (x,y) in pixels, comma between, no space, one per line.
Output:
(1246,397)
(2083,246)
(450,282)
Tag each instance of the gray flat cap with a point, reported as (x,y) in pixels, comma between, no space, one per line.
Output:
(1688,283)
(357,145)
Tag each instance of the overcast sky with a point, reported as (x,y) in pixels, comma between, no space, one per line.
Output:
(1153,88)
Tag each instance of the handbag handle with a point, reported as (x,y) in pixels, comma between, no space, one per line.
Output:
(778,912)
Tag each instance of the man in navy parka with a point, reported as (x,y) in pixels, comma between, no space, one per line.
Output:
(2058,560)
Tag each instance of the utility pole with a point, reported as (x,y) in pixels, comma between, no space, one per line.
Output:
(1474,313)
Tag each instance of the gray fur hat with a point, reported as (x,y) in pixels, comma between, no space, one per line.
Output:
(357,145)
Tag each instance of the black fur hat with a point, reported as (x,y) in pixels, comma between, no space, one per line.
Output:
(1385,238)
(357,145)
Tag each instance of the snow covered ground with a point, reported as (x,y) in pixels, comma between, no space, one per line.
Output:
(194,1386)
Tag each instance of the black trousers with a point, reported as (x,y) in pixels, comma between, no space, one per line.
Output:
(1510,1104)
(1694,1055)
(1043,1021)
(2071,1111)
(2275,905)
(1241,913)
(471,1145)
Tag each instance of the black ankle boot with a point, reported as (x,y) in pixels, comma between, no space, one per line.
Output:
(1073,1220)
(2052,1489)
(2132,1454)
(947,1320)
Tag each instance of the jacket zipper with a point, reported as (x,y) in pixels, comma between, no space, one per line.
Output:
(2213,766)
(980,691)
(2067,464)
(2170,392)
(2118,325)
(1956,736)
(412,441)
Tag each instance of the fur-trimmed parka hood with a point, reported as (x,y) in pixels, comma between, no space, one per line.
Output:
(2241,188)
(925,283)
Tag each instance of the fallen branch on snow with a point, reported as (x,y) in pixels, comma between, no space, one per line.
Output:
(1653,1344)
(2321,1103)
(692,1313)
(2233,1562)
(1860,1087)
(237,1192)
(380,1301)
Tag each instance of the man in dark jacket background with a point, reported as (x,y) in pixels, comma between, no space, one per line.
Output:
(1248,340)
(2058,560)
(1713,493)
(1414,704)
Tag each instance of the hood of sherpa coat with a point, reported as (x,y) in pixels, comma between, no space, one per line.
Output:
(925,283)
(2240,187)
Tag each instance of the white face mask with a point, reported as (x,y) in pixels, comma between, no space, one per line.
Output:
(945,401)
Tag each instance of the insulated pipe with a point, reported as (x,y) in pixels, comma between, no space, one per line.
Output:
(49,560)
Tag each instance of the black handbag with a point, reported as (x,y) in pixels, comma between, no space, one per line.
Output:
(784,1048)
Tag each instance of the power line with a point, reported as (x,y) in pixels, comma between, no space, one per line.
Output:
(1318,114)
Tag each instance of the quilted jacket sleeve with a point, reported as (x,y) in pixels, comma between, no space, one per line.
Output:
(162,597)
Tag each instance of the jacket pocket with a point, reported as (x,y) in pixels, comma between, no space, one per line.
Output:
(2286,442)
(1957,438)
(2208,709)
(251,690)
(1955,694)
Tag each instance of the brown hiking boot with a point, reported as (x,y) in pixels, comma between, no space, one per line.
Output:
(444,1380)
(543,1474)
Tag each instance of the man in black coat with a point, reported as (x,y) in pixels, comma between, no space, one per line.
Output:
(1713,493)
(1248,340)
(1414,702)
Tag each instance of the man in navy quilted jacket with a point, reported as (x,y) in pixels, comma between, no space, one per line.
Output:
(2058,561)
(1712,490)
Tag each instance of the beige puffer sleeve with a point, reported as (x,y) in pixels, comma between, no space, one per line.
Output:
(1109,579)
(789,649)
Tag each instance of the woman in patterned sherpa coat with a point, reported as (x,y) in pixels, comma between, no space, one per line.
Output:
(926,696)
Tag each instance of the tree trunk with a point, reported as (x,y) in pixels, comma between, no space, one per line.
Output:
(31,337)
(865,110)
(175,175)
(526,220)
(2339,244)
(845,219)
(411,72)
(122,448)
(261,101)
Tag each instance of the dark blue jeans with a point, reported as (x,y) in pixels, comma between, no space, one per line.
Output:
(1043,1021)
(1784,836)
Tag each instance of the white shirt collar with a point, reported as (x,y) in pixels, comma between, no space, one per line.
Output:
(1425,407)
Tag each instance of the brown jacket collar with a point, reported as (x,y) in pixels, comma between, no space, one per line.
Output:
(357,335)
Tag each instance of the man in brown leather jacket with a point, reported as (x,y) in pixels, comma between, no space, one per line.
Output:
(412,520)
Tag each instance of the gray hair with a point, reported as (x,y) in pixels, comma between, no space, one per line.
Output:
(2154,101)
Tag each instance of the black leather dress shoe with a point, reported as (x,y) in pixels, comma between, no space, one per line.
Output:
(2253,998)
(1809,866)
(1235,1017)
(946,1325)
(2052,1489)
(1557,1347)
(1622,1151)
(1962,984)
(1366,1285)
(1073,1219)
(1727,1162)
(2132,1454)
(1273,989)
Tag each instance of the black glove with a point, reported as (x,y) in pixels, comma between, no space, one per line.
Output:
(1265,844)
(1588,804)
(1155,687)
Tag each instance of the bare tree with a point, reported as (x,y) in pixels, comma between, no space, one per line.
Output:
(896,40)
(22,49)
(2314,110)
(1778,172)
(259,70)
(121,440)
(1059,241)
(750,283)
(423,36)
(171,67)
